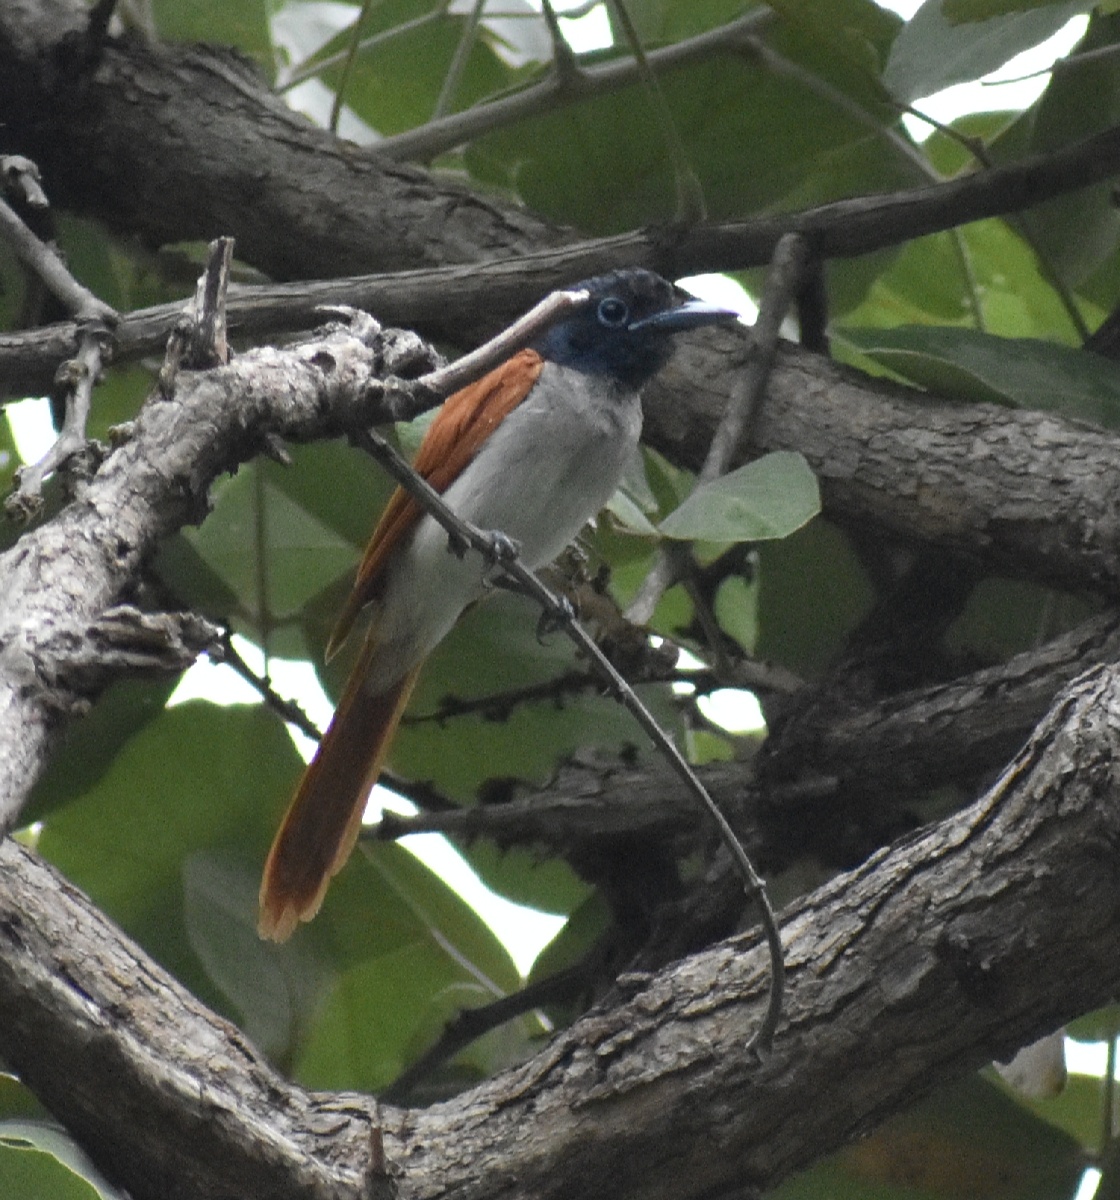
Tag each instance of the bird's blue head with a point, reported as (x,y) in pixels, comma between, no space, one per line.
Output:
(624,329)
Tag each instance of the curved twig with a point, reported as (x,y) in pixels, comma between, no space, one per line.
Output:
(503,555)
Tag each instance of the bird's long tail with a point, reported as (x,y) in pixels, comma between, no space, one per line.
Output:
(322,822)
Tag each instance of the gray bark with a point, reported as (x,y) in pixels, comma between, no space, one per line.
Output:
(956,946)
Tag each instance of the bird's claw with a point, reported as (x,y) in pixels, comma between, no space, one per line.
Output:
(555,617)
(503,549)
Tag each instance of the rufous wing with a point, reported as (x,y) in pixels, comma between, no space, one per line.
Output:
(321,824)
(463,424)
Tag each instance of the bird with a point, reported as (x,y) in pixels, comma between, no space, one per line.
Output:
(533,450)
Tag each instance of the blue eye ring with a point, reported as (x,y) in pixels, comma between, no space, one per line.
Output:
(613,312)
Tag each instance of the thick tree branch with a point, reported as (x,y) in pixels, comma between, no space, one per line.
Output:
(355,212)
(468,302)
(950,733)
(207,150)
(956,946)
(1019,491)
(64,575)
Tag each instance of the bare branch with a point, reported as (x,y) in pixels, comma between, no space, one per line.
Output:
(783,281)
(68,572)
(984,932)
(470,367)
(466,303)
(562,85)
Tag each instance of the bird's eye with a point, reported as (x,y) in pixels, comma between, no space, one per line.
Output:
(613,312)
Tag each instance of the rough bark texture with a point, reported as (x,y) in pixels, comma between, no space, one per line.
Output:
(60,578)
(957,945)
(954,947)
(205,151)
(1019,491)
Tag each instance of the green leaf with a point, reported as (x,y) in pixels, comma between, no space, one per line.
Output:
(396,82)
(197,778)
(969,365)
(812,592)
(933,52)
(768,498)
(548,884)
(1009,616)
(240,23)
(91,745)
(1101,1025)
(602,165)
(1077,1109)
(410,953)
(39,1160)
(276,990)
(16,1100)
(268,549)
(737,611)
(494,652)
(959,11)
(1078,232)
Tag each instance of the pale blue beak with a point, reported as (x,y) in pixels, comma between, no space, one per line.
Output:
(692,314)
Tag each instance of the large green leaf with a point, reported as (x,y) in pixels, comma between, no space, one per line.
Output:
(270,551)
(397,82)
(602,164)
(493,653)
(768,498)
(92,744)
(1010,616)
(398,983)
(526,878)
(41,1161)
(240,23)
(812,592)
(170,842)
(984,10)
(932,52)
(1079,231)
(197,778)
(969,365)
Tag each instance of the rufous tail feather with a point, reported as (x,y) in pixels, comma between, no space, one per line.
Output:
(323,819)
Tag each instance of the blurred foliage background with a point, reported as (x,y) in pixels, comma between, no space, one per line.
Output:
(163,814)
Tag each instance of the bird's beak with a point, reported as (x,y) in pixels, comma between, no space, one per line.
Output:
(689,315)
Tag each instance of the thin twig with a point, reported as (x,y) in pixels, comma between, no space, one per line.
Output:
(565,65)
(75,379)
(351,56)
(472,1023)
(783,280)
(436,137)
(313,66)
(289,710)
(473,366)
(459,62)
(500,551)
(690,206)
(42,261)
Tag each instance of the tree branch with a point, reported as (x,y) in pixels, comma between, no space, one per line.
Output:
(563,85)
(466,303)
(64,575)
(958,945)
